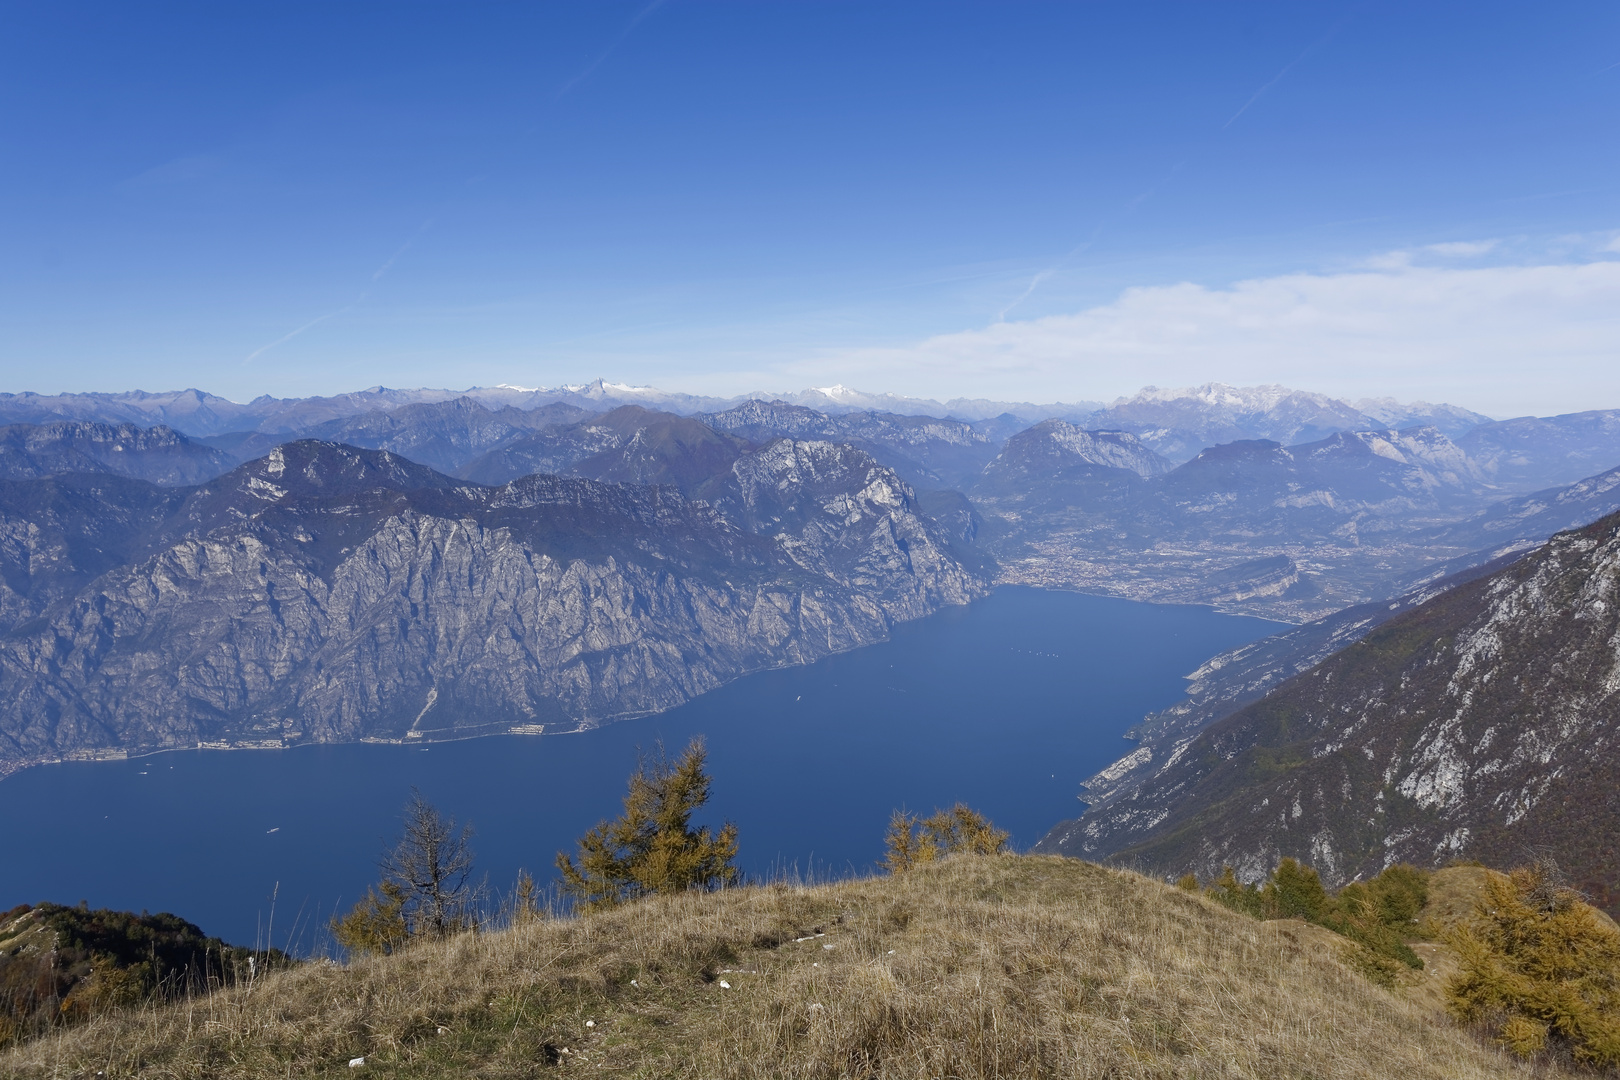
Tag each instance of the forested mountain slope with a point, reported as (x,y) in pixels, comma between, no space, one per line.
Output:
(1484,723)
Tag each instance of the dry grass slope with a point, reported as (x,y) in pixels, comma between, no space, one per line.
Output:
(978,966)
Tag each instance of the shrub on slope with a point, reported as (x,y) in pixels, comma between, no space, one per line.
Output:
(62,964)
(1540,966)
(1378,915)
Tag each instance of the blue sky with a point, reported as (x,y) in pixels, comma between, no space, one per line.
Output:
(1027,201)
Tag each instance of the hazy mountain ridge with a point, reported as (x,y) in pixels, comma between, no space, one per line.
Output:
(1178,423)
(1532,452)
(926,450)
(1291,532)
(443,435)
(1294,532)
(1539,514)
(1053,448)
(1344,474)
(1482,723)
(328,593)
(1252,525)
(836,400)
(159,454)
(1452,420)
(630,444)
(195,412)
(192,412)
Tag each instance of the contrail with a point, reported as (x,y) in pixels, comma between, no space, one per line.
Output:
(1277,78)
(1130,205)
(1034,283)
(582,76)
(288,337)
(388,265)
(1133,203)
(381,270)
(403,248)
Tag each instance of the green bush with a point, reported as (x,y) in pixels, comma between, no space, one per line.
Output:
(1237,895)
(1377,915)
(376,924)
(1294,892)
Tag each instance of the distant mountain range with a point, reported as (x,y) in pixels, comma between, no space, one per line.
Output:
(1251,524)
(1481,721)
(195,412)
(443,435)
(1183,420)
(159,454)
(1294,532)
(177,568)
(1180,423)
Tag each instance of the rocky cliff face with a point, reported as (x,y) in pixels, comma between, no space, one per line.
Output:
(329,593)
(1484,723)
(59,534)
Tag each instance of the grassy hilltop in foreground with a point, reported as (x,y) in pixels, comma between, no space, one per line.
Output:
(997,966)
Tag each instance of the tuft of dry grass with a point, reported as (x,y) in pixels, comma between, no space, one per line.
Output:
(974,967)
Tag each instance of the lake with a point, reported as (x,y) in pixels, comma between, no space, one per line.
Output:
(1006,705)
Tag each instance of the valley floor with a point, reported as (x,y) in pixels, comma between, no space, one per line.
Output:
(1004,966)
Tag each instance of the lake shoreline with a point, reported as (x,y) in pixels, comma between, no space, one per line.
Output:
(1007,704)
(10,767)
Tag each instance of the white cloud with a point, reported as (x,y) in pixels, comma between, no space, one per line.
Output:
(1463,249)
(1503,339)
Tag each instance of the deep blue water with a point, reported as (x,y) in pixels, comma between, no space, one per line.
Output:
(1006,705)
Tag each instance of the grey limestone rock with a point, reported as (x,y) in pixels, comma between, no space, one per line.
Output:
(326,593)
